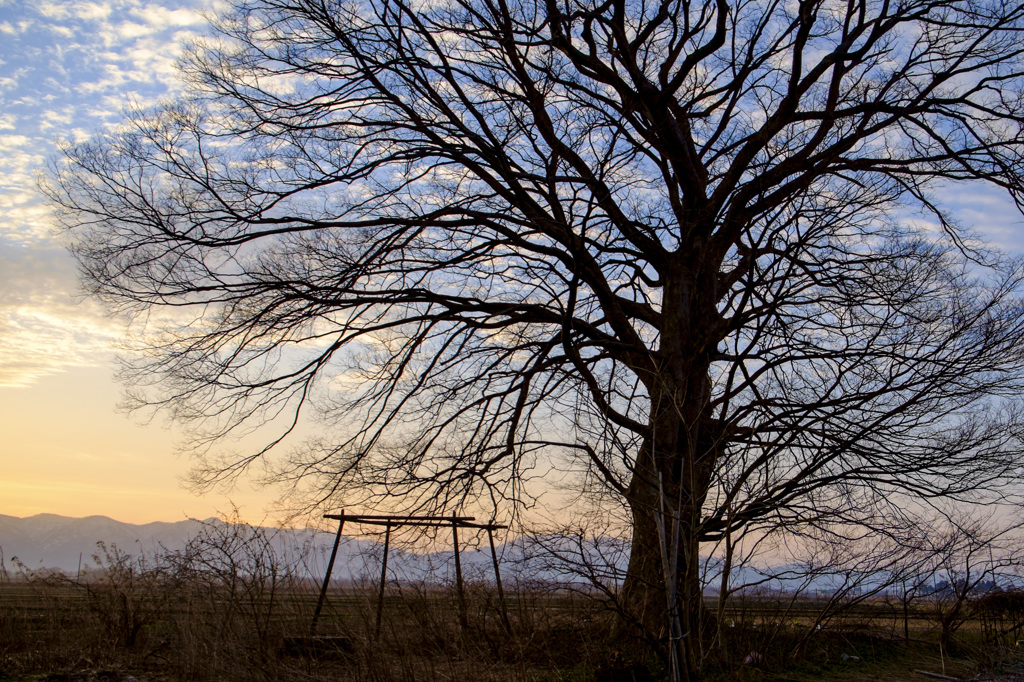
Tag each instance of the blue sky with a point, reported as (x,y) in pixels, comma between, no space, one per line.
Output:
(67,71)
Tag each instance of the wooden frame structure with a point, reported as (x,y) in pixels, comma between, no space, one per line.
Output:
(389,522)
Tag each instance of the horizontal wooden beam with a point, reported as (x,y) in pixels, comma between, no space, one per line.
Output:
(388,517)
(384,520)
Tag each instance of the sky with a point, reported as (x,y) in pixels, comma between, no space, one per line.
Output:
(67,71)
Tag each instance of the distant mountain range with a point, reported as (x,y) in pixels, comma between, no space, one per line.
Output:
(52,541)
(49,541)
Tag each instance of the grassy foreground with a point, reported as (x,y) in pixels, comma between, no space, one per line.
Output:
(209,616)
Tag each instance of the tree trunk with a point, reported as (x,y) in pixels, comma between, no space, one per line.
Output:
(666,523)
(662,591)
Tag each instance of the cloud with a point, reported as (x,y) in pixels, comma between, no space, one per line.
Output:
(92,10)
(57,120)
(132,30)
(163,17)
(986,210)
(53,10)
(44,329)
(35,345)
(23,219)
(70,69)
(10,82)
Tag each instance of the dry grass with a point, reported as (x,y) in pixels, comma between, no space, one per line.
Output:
(228,610)
(52,626)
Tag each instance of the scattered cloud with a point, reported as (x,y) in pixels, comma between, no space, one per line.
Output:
(57,120)
(70,68)
(36,344)
(163,17)
(92,10)
(51,10)
(10,82)
(132,30)
(44,328)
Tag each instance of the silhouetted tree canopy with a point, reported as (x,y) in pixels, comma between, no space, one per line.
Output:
(697,251)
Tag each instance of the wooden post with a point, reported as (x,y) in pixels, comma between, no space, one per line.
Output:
(463,617)
(327,578)
(383,579)
(502,607)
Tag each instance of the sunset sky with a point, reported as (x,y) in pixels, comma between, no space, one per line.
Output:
(67,70)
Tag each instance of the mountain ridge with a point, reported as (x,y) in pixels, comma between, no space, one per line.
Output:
(54,541)
(51,541)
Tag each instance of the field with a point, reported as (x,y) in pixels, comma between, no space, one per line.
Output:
(153,625)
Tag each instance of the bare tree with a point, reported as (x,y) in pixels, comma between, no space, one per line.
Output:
(970,558)
(677,245)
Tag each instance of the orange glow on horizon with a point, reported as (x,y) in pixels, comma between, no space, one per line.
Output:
(66,450)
